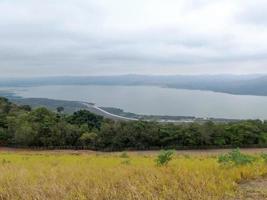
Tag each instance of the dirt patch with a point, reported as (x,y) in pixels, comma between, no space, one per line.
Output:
(253,190)
(210,152)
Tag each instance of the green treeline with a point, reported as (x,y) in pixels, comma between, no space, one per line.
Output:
(22,126)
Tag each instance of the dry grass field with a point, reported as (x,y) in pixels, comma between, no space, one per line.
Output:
(57,175)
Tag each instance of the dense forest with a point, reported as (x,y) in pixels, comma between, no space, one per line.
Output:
(22,126)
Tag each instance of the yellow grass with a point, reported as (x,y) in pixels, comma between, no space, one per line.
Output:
(65,176)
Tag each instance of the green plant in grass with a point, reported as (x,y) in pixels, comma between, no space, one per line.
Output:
(124,155)
(235,157)
(264,157)
(164,157)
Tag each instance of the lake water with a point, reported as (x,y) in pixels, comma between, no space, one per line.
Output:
(157,101)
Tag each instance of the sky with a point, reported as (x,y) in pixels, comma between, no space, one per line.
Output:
(107,37)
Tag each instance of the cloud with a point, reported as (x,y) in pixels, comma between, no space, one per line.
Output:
(142,36)
(253,13)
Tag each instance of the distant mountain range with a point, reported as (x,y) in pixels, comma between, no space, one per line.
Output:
(233,84)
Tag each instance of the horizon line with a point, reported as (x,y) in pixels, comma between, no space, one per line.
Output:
(134,74)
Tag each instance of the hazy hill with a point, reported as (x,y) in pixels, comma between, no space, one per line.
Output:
(234,84)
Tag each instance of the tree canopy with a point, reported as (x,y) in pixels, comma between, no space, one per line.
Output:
(23,126)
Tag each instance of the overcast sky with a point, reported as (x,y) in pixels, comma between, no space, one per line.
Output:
(100,37)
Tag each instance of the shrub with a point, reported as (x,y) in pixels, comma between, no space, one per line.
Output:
(164,157)
(264,157)
(235,157)
(124,155)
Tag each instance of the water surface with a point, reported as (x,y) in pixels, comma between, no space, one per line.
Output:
(157,101)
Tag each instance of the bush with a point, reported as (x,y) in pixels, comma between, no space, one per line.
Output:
(124,155)
(164,157)
(235,157)
(264,157)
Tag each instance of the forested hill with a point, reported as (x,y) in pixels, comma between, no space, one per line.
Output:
(22,126)
(233,84)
